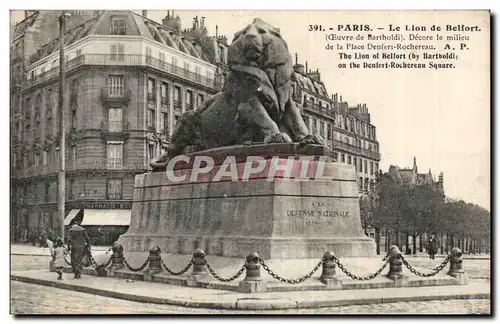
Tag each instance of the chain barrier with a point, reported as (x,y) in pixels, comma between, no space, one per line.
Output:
(290,281)
(216,276)
(369,277)
(142,267)
(430,274)
(183,271)
(94,263)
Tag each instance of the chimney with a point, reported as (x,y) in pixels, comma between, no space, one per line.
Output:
(145,13)
(296,59)
(202,23)
(340,99)
(299,68)
(307,69)
(26,14)
(216,31)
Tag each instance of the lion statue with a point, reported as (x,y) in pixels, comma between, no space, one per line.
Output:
(255,105)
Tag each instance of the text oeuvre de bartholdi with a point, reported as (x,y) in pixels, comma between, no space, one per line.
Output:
(397,46)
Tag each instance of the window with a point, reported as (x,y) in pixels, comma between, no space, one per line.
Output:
(197,73)
(47,192)
(114,189)
(71,189)
(164,122)
(44,157)
(186,69)
(329,132)
(162,60)
(371,167)
(314,127)
(115,155)
(149,55)
(174,64)
(73,87)
(151,89)
(177,96)
(201,98)
(151,119)
(322,129)
(78,52)
(72,152)
(57,155)
(342,157)
(306,121)
(14,160)
(115,120)
(355,162)
(349,159)
(73,119)
(37,160)
(151,151)
(118,26)
(366,166)
(189,99)
(360,165)
(360,183)
(116,85)
(164,90)
(117,52)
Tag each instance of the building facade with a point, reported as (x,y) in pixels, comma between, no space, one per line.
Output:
(128,80)
(346,130)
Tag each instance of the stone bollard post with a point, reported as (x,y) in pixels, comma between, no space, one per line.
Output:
(199,263)
(253,281)
(154,265)
(199,268)
(116,259)
(456,268)
(395,265)
(329,275)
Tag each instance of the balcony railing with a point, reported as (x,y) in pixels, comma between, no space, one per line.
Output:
(115,94)
(122,60)
(165,101)
(114,127)
(356,149)
(151,96)
(177,104)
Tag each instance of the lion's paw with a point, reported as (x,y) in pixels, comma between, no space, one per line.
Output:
(278,138)
(312,139)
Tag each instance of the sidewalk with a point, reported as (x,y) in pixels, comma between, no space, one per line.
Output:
(209,298)
(24,249)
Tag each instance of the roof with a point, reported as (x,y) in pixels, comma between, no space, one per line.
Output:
(99,24)
(314,86)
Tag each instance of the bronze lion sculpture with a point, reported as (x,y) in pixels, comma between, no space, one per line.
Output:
(255,105)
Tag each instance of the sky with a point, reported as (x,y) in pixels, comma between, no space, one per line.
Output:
(440,117)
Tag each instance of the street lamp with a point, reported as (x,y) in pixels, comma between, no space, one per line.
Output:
(62,80)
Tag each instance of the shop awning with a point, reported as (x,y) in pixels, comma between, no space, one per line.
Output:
(102,217)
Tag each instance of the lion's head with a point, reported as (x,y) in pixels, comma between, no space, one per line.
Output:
(260,45)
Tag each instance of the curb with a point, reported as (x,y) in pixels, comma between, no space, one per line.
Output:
(244,303)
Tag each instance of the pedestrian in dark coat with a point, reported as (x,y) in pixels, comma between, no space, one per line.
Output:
(432,246)
(79,246)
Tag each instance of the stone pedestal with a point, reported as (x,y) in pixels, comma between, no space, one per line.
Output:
(276,216)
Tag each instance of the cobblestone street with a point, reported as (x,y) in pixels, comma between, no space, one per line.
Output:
(35,299)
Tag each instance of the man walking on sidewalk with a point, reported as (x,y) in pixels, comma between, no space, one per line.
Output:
(432,246)
(78,245)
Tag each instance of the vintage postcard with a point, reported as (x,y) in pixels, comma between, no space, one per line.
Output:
(250,162)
